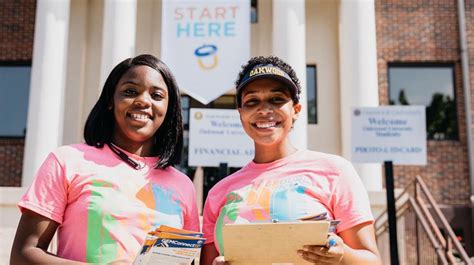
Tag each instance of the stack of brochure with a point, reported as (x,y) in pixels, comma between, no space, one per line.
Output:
(323,216)
(168,245)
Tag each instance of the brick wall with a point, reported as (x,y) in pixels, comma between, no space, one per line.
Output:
(17,29)
(17,21)
(11,155)
(414,31)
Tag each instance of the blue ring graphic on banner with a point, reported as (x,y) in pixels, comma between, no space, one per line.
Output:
(201,50)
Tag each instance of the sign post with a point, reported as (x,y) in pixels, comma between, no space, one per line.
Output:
(389,134)
(392,212)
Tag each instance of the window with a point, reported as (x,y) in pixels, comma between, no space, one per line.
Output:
(185,111)
(431,86)
(311,88)
(15,87)
(253,11)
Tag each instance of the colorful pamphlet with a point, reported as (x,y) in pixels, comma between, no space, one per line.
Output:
(170,246)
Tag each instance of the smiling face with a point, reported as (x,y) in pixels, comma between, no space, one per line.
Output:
(267,112)
(139,105)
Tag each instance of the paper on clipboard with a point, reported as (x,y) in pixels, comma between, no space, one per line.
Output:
(271,243)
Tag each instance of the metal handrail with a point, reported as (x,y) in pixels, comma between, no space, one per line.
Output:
(431,237)
(431,221)
(434,228)
(443,220)
(442,245)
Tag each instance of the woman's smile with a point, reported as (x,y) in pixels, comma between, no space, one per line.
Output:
(266,124)
(139,116)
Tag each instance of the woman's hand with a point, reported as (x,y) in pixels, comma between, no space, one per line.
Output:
(332,253)
(219,261)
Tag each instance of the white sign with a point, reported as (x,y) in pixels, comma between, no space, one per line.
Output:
(216,136)
(389,133)
(205,43)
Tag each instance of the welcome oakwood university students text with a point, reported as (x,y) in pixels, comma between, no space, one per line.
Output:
(285,183)
(104,196)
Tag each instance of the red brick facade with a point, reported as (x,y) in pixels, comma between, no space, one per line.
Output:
(427,31)
(16,46)
(11,155)
(17,29)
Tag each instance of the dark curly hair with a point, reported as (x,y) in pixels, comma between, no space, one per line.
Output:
(274,60)
(168,140)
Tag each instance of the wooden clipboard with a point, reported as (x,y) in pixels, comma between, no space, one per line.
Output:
(271,243)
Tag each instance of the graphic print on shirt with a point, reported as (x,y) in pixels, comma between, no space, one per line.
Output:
(100,247)
(284,199)
(109,215)
(168,206)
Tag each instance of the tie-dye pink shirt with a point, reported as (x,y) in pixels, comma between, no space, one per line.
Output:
(104,207)
(303,184)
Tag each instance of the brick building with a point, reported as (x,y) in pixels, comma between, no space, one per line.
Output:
(420,38)
(426,34)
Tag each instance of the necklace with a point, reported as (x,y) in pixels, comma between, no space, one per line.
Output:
(125,158)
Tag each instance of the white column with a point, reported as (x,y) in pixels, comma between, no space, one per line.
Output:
(358,75)
(289,43)
(45,109)
(118,39)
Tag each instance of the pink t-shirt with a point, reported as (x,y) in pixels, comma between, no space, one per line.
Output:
(303,184)
(104,207)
